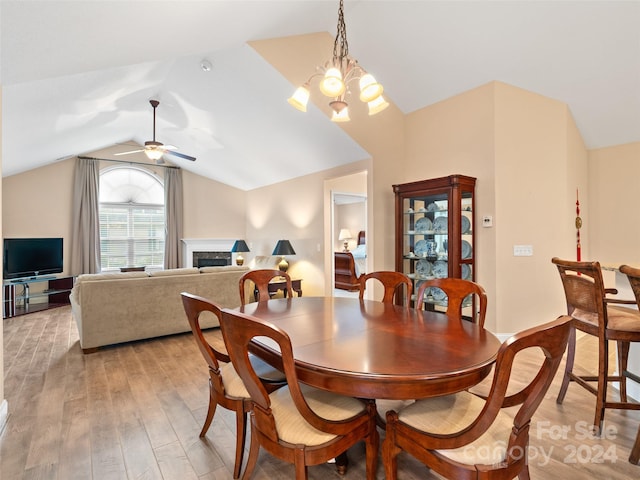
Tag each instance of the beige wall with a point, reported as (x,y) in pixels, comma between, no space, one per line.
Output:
(613,230)
(535,199)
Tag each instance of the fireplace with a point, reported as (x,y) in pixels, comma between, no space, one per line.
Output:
(211,259)
(206,252)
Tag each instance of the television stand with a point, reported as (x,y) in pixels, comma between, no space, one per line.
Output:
(20,300)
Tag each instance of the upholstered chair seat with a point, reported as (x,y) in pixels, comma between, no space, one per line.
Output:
(450,414)
(291,425)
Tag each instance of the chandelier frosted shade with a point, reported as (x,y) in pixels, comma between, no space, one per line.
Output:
(377,105)
(341,116)
(369,88)
(332,84)
(300,98)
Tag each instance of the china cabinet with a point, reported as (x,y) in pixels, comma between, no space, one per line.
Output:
(435,232)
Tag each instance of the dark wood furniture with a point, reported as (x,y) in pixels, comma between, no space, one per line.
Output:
(394,283)
(458,293)
(369,349)
(225,387)
(298,423)
(595,314)
(464,430)
(260,279)
(132,269)
(633,275)
(278,284)
(20,302)
(435,230)
(345,275)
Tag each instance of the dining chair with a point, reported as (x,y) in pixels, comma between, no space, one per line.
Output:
(595,314)
(467,436)
(392,283)
(225,386)
(456,290)
(297,423)
(633,275)
(260,279)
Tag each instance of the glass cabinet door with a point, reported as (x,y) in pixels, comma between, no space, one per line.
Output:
(434,232)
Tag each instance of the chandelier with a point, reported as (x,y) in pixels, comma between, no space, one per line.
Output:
(336,74)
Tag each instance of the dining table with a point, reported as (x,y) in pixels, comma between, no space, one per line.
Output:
(370,349)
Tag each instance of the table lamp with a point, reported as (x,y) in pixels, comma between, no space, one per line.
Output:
(283,247)
(345,235)
(238,247)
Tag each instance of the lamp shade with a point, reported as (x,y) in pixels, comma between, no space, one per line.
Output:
(283,247)
(240,246)
(345,234)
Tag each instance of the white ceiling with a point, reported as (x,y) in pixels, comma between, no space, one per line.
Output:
(77,76)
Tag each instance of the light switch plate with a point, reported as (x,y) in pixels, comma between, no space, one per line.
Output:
(523,250)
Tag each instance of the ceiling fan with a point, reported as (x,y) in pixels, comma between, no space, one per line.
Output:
(155,150)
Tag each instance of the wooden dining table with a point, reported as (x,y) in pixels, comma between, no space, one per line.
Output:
(370,349)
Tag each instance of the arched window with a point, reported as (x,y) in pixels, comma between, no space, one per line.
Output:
(131,219)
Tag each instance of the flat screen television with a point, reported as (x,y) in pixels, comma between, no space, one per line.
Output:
(30,257)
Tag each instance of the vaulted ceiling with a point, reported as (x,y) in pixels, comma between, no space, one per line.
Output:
(77,76)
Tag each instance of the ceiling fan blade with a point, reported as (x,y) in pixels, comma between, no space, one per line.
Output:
(181,155)
(131,151)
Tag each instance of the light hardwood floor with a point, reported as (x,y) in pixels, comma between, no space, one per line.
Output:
(134,412)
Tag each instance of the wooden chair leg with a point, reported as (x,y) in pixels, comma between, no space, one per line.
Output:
(254,449)
(390,454)
(241,435)
(623,356)
(635,451)
(300,464)
(568,368)
(603,377)
(524,474)
(211,411)
(372,442)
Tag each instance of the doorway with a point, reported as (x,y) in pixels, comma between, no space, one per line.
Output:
(348,214)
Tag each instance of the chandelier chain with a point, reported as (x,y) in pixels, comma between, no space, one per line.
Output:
(341,39)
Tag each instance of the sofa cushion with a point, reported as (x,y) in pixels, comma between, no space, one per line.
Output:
(174,271)
(225,268)
(90,277)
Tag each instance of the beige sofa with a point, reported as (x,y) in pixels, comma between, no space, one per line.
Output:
(113,308)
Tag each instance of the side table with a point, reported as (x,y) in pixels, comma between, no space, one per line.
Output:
(280,283)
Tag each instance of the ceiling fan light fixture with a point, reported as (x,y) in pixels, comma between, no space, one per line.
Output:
(154,153)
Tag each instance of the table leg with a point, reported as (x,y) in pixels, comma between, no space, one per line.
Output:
(341,463)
